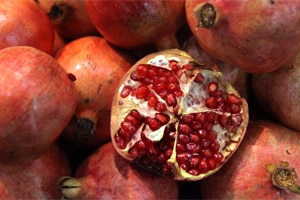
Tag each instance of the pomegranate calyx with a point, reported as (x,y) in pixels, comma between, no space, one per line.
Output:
(69,187)
(283,176)
(84,127)
(205,15)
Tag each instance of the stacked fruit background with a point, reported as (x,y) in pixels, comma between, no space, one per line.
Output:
(149,99)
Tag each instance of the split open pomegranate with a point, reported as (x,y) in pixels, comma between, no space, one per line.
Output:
(173,116)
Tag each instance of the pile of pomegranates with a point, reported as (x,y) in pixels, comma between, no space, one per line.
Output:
(149,99)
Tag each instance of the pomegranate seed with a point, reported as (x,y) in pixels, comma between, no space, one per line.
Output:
(131,119)
(199,78)
(142,70)
(205,143)
(233,99)
(194,162)
(202,133)
(152,101)
(195,138)
(160,107)
(211,117)
(153,123)
(187,119)
(206,153)
(141,92)
(120,142)
(194,172)
(128,127)
(135,76)
(200,117)
(183,157)
(211,164)
(184,139)
(223,120)
(192,148)
(159,87)
(184,129)
(162,79)
(212,87)
(171,100)
(162,118)
(125,91)
(203,165)
(235,109)
(211,102)
(180,148)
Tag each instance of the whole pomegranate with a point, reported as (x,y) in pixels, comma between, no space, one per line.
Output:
(264,167)
(139,23)
(98,67)
(23,23)
(35,180)
(173,116)
(257,36)
(106,175)
(278,92)
(37,101)
(69,17)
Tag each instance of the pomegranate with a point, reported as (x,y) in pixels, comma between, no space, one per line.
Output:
(173,116)
(257,36)
(69,17)
(140,23)
(35,180)
(24,23)
(263,154)
(98,67)
(278,92)
(106,175)
(37,101)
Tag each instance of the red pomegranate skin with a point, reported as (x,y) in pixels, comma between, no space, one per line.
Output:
(23,22)
(106,175)
(69,17)
(278,92)
(37,101)
(139,23)
(35,180)
(245,175)
(98,67)
(257,36)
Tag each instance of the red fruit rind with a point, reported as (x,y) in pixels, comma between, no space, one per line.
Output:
(176,117)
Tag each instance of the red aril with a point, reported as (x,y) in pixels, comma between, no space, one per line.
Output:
(247,174)
(136,24)
(69,17)
(106,175)
(98,67)
(35,180)
(23,23)
(37,101)
(257,36)
(173,116)
(278,92)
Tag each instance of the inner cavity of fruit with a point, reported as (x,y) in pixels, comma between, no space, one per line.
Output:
(173,117)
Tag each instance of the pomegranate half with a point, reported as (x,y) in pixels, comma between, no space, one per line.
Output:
(173,116)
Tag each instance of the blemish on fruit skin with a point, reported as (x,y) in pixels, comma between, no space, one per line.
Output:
(72,77)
